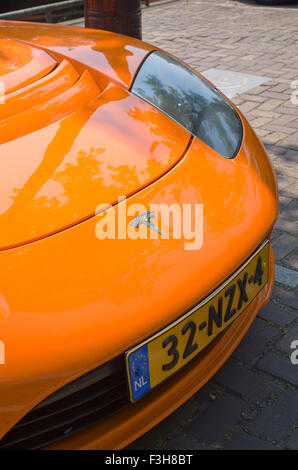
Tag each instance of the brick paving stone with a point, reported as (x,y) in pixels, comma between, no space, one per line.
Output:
(294,124)
(265,114)
(270,104)
(275,95)
(241,440)
(281,87)
(244,382)
(152,440)
(285,130)
(291,190)
(218,419)
(284,178)
(259,121)
(284,343)
(283,182)
(279,366)
(275,234)
(182,442)
(255,341)
(285,165)
(157,437)
(202,397)
(291,155)
(284,120)
(276,420)
(276,150)
(293,261)
(247,106)
(292,210)
(286,110)
(290,141)
(286,276)
(247,97)
(278,293)
(261,132)
(288,297)
(284,202)
(278,315)
(275,137)
(283,245)
(292,441)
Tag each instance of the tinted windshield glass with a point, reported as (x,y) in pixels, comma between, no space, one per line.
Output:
(191,101)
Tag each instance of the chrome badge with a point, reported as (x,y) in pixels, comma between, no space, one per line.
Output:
(145,218)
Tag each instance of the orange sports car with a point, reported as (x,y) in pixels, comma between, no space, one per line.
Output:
(136,211)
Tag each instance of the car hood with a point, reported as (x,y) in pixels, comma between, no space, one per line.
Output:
(71,141)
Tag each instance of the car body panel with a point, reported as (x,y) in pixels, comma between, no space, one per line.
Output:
(52,84)
(128,424)
(112,143)
(112,57)
(22,64)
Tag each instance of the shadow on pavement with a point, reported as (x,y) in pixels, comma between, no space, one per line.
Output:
(277,3)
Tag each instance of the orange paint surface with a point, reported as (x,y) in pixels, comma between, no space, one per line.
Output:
(72,139)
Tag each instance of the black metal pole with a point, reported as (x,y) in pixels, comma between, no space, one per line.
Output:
(119,16)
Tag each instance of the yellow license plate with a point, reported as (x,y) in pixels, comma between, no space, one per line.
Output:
(156,359)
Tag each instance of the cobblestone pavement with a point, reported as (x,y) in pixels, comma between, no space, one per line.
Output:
(252,402)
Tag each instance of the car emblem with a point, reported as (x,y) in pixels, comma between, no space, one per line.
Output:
(145,219)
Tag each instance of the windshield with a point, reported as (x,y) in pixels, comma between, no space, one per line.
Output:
(188,99)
